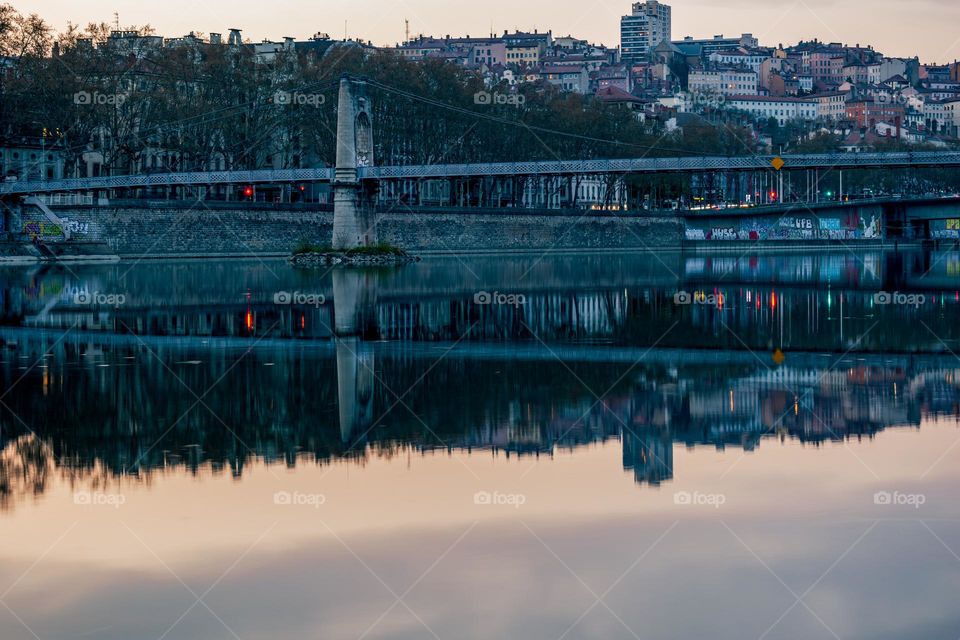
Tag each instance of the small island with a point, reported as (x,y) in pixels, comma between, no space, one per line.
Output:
(310,255)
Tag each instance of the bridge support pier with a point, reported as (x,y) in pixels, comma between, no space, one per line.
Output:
(354,310)
(354,215)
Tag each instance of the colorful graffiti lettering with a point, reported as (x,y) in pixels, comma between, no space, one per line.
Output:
(724,234)
(41,229)
(81,228)
(797,223)
(838,227)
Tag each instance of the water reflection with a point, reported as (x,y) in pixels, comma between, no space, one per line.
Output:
(374,370)
(817,303)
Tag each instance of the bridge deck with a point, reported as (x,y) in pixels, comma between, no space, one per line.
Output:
(500,169)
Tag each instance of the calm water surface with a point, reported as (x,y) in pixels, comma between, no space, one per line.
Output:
(499,447)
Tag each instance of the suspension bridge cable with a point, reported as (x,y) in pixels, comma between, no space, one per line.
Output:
(523,125)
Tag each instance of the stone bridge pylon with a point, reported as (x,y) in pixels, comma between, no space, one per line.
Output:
(354,214)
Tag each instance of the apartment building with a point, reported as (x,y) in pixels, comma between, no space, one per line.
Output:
(648,25)
(726,81)
(783,109)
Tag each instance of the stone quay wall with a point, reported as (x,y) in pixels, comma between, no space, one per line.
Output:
(182,231)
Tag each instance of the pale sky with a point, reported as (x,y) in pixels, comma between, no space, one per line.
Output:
(896,27)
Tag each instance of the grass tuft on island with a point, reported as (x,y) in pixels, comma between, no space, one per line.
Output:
(308,255)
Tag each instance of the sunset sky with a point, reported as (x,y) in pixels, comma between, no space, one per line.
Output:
(896,27)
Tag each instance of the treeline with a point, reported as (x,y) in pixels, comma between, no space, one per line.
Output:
(197,106)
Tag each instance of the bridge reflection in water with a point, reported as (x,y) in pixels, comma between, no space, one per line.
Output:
(167,381)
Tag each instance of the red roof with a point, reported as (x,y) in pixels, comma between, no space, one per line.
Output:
(616,94)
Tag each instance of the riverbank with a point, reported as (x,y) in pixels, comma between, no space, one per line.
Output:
(178,231)
(181,231)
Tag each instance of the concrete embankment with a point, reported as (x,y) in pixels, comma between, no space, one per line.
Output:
(199,231)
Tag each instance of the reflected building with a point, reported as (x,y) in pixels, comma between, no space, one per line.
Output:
(649,455)
(806,303)
(97,412)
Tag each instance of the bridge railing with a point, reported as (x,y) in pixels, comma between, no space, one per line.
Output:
(496,169)
(668,165)
(192,178)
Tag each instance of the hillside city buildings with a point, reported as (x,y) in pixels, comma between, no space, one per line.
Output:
(852,91)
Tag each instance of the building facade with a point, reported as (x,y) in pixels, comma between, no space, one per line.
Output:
(783,110)
(868,112)
(831,106)
(724,81)
(640,32)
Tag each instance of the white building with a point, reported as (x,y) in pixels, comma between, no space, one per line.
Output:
(33,158)
(951,112)
(133,43)
(719,43)
(831,106)
(740,58)
(891,67)
(567,78)
(783,109)
(726,82)
(266,52)
(935,115)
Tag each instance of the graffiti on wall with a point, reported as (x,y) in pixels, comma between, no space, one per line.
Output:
(76,228)
(945,229)
(42,229)
(45,229)
(846,226)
